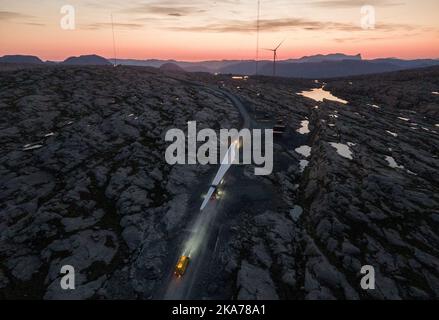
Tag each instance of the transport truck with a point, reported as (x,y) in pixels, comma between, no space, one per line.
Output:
(181,266)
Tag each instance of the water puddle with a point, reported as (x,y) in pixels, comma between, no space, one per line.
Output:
(392,163)
(304,151)
(304,129)
(295,213)
(32,146)
(343,150)
(303,164)
(320,95)
(392,133)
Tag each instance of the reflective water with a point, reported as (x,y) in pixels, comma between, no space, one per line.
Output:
(296,212)
(304,129)
(392,133)
(29,147)
(392,163)
(343,150)
(304,151)
(303,164)
(320,95)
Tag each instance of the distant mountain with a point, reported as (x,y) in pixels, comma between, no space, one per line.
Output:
(333,67)
(213,65)
(408,64)
(316,66)
(87,60)
(201,66)
(266,67)
(245,67)
(198,68)
(173,67)
(23,59)
(328,57)
(329,69)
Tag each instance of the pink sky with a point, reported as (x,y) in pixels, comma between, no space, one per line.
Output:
(204,30)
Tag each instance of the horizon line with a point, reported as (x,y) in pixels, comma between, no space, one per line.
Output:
(219,59)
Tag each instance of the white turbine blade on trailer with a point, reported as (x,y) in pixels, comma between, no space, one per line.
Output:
(228,161)
(207,198)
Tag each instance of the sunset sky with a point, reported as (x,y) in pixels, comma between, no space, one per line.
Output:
(225,29)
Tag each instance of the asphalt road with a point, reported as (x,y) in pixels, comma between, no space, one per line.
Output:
(204,237)
(197,247)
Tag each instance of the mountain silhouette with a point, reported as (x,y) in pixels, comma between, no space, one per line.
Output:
(87,60)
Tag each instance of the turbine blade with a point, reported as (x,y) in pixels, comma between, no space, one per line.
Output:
(280,44)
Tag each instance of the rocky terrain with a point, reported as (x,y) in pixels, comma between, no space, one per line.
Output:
(84,182)
(360,187)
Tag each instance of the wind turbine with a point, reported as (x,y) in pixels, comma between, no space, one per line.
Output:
(275,56)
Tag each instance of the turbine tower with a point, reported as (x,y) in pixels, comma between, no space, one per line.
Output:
(275,56)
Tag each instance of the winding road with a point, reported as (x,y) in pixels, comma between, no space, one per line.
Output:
(202,241)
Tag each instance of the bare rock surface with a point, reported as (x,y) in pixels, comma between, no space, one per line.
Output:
(350,207)
(84,180)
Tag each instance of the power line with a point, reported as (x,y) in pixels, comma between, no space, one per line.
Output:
(114,41)
(257,36)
